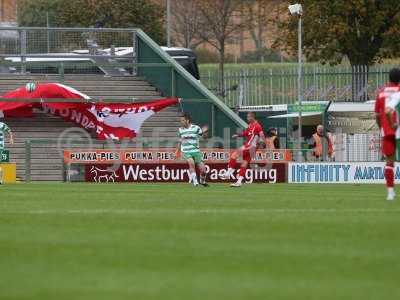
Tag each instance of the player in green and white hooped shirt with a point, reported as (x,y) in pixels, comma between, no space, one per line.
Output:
(4,129)
(190,135)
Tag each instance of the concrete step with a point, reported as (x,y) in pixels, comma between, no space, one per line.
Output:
(106,83)
(22,136)
(45,160)
(86,89)
(46,171)
(121,93)
(127,99)
(69,77)
(156,125)
(108,88)
(47,177)
(77,82)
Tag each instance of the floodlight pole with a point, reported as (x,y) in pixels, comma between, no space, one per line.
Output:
(300,88)
(168,23)
(48,31)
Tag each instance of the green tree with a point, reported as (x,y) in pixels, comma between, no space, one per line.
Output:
(363,31)
(35,12)
(143,14)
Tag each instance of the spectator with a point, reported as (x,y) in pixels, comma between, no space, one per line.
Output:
(321,143)
(272,140)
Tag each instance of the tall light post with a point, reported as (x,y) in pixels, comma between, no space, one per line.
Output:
(297,10)
(48,31)
(168,23)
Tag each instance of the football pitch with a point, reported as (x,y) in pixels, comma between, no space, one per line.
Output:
(172,241)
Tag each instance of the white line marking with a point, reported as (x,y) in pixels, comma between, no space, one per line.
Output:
(201,211)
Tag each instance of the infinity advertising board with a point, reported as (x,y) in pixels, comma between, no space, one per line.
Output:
(354,172)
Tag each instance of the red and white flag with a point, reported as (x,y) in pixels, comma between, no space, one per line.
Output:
(108,121)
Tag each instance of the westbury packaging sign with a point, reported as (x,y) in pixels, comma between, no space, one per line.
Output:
(354,172)
(177,172)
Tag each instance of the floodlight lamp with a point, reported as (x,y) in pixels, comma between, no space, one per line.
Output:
(296,9)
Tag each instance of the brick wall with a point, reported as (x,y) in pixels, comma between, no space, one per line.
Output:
(8,10)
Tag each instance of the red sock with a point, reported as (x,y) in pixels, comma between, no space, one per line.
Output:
(389,174)
(242,171)
(232,163)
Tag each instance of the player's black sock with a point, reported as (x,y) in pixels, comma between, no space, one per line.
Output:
(203,180)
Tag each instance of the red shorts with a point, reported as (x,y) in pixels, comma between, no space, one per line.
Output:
(247,155)
(388,145)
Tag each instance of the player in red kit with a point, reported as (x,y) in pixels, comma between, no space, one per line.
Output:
(254,136)
(388,132)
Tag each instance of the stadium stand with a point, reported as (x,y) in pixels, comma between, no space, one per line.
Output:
(46,161)
(29,55)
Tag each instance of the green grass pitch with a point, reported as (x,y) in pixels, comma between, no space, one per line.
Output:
(172,241)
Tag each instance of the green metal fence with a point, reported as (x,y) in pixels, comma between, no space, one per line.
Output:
(278,85)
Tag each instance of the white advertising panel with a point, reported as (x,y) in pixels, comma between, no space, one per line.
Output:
(352,172)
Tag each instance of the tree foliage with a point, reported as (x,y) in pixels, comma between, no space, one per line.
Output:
(143,14)
(34,12)
(259,17)
(219,23)
(363,31)
(186,22)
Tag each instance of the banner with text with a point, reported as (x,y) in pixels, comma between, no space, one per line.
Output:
(113,121)
(133,156)
(353,172)
(177,172)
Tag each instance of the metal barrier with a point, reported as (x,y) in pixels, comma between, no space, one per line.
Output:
(85,42)
(278,85)
(347,148)
(78,48)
